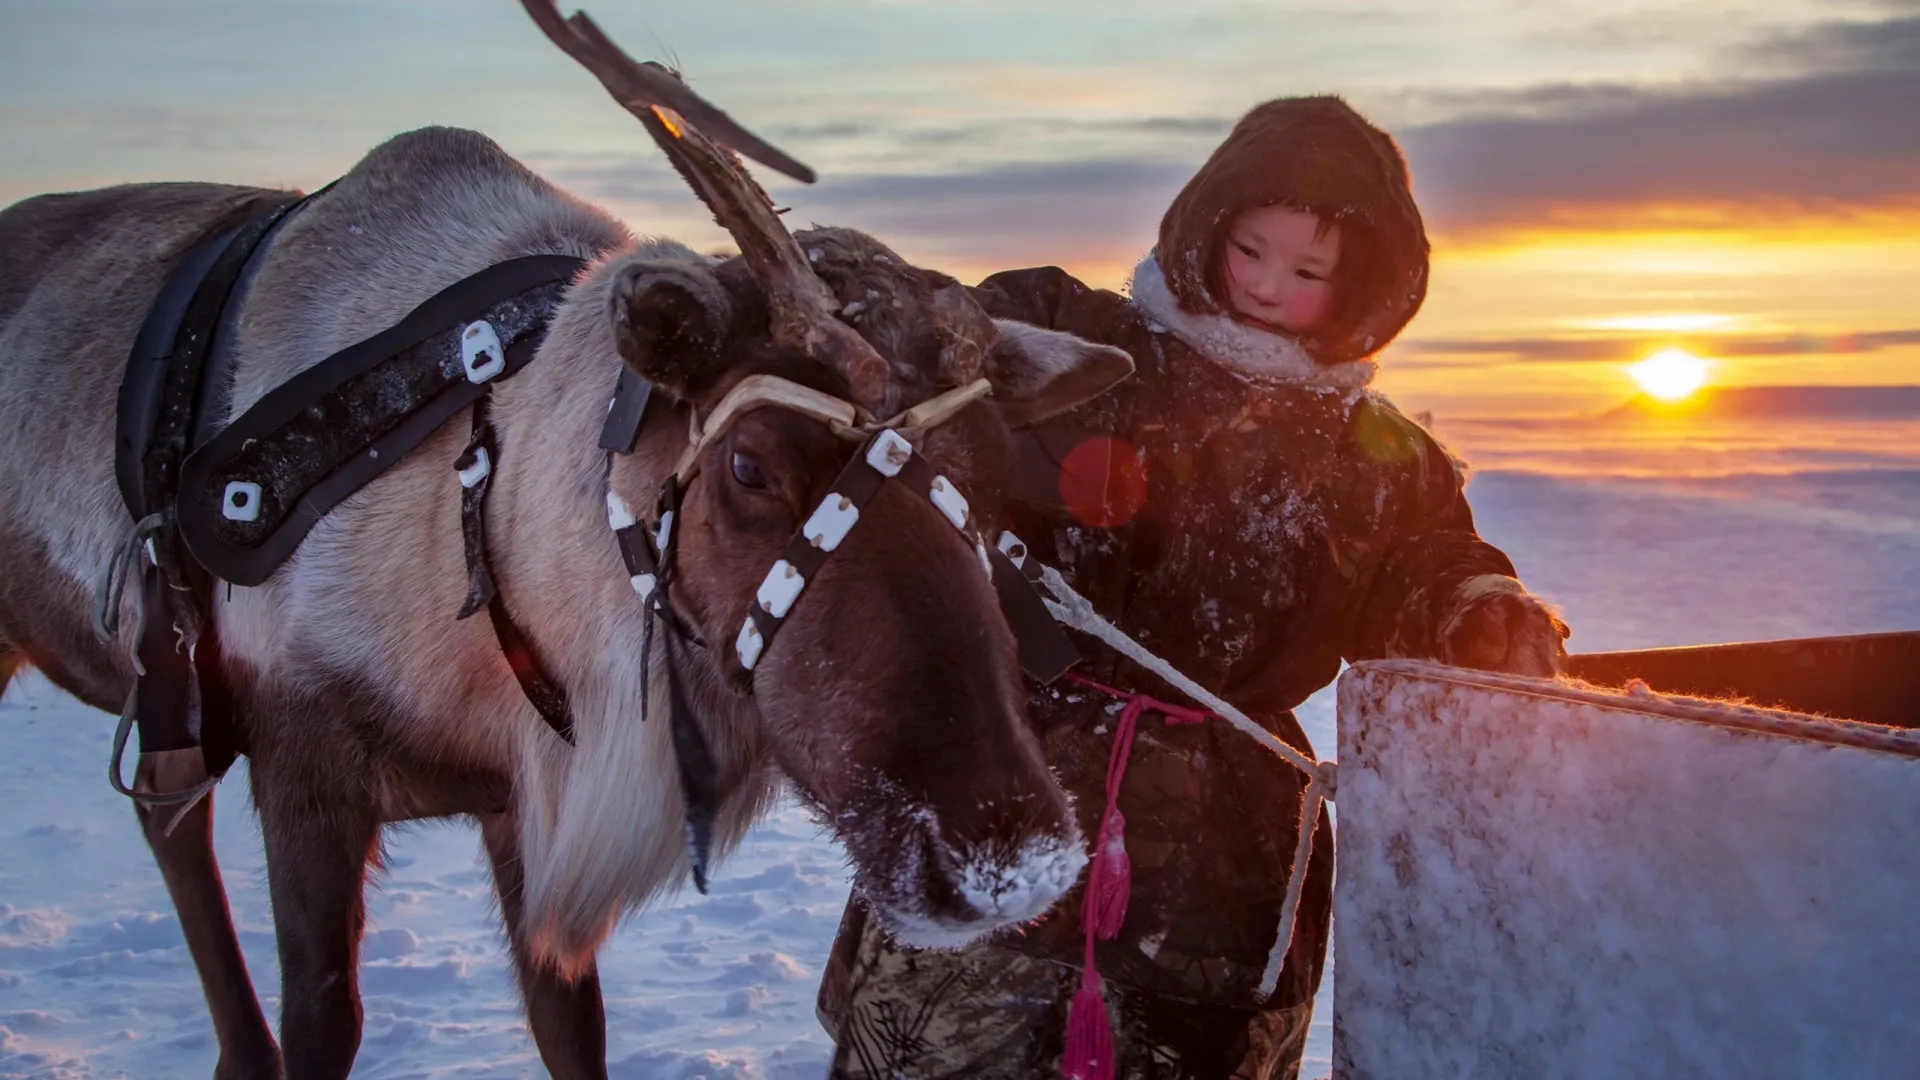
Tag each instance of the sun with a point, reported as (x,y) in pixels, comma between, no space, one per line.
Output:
(1670,374)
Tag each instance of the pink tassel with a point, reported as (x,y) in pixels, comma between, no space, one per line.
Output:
(1110,881)
(1089,1054)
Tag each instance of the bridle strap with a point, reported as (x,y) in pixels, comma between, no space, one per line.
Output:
(842,417)
(886,455)
(475,469)
(938,409)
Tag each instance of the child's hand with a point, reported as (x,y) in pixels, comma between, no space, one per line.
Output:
(1499,626)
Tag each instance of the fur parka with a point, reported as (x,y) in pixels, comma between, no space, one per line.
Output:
(1253,517)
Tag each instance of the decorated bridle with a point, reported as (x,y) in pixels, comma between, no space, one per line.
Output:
(803,318)
(886,452)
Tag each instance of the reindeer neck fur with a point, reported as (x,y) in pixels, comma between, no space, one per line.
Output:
(599,821)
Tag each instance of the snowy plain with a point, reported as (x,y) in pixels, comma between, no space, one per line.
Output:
(1643,542)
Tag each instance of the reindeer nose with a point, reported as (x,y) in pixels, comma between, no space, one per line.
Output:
(1024,886)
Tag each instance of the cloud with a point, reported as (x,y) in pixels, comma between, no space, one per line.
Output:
(1832,126)
(1824,123)
(1470,352)
(1821,120)
(994,216)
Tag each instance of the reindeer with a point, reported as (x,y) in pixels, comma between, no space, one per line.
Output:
(891,700)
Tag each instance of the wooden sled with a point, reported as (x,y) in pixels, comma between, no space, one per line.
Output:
(1537,880)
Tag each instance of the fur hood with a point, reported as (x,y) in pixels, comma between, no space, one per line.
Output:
(1314,154)
(1258,354)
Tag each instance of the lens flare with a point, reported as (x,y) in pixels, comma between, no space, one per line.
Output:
(1670,374)
(1102,482)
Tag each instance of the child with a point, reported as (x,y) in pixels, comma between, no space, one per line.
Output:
(1250,512)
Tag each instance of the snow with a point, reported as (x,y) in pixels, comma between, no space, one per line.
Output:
(1026,886)
(1001,888)
(95,982)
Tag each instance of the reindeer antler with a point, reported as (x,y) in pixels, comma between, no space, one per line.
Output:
(802,310)
(640,86)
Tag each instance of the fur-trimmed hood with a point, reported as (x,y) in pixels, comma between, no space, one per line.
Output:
(1258,354)
(1318,155)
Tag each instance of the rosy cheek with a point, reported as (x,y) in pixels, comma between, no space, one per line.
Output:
(1238,293)
(1308,305)
(1236,270)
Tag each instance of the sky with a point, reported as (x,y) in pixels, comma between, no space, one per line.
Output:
(1600,180)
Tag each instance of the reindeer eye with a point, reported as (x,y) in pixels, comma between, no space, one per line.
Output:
(746,472)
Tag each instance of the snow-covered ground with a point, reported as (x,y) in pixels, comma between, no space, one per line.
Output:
(95,982)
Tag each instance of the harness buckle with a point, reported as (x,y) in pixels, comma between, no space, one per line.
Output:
(473,466)
(480,352)
(1014,549)
(241,501)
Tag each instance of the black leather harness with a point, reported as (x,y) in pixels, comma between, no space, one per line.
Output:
(234,502)
(177,702)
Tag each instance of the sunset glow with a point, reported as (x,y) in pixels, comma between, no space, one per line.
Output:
(1593,195)
(1670,374)
(1546,320)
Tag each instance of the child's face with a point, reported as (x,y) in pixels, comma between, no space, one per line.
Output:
(1280,267)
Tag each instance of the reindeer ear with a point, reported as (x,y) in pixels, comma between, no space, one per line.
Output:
(669,321)
(1039,373)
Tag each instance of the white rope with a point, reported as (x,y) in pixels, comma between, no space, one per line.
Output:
(1310,800)
(1076,611)
(1072,609)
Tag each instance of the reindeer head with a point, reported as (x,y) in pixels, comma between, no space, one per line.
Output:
(892,696)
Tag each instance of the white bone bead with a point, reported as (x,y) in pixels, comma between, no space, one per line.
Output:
(889,453)
(749,644)
(476,472)
(831,521)
(241,501)
(619,514)
(1013,548)
(950,501)
(780,589)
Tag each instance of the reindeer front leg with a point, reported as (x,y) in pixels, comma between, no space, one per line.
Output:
(568,1020)
(321,830)
(192,875)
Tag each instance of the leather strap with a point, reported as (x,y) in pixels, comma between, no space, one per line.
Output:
(330,430)
(542,690)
